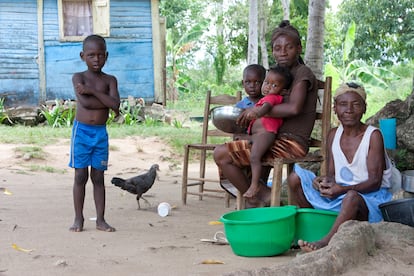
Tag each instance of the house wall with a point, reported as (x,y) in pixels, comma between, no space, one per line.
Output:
(19,74)
(129,46)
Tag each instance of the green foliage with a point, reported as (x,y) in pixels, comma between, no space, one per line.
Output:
(372,77)
(384,29)
(400,158)
(59,115)
(133,114)
(177,123)
(349,41)
(3,114)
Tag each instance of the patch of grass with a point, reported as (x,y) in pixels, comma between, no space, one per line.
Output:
(39,135)
(113,148)
(37,168)
(29,152)
(175,137)
(46,135)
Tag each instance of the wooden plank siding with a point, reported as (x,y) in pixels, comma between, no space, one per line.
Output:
(19,76)
(130,48)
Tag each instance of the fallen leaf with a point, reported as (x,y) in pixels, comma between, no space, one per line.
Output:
(5,191)
(15,246)
(215,222)
(212,262)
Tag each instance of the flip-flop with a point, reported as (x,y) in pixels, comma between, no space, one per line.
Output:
(218,238)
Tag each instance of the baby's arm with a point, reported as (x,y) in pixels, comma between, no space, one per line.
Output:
(258,111)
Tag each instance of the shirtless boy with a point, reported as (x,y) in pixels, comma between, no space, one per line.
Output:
(96,93)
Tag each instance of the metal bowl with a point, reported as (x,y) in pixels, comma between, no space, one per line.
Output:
(399,210)
(225,117)
(408,181)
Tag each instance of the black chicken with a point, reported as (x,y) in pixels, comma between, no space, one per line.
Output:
(139,184)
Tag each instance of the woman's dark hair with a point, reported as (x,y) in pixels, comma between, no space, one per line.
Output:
(285,28)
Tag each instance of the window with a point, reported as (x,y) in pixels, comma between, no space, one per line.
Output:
(80,18)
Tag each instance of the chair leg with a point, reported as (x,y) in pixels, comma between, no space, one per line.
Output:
(289,192)
(240,201)
(227,199)
(276,184)
(203,156)
(185,176)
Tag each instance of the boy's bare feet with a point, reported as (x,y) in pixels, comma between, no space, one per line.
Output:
(77,226)
(311,246)
(103,226)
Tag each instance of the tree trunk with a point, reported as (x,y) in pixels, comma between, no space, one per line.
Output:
(252,52)
(314,42)
(286,9)
(220,62)
(262,9)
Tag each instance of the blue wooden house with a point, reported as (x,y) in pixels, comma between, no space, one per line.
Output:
(40,42)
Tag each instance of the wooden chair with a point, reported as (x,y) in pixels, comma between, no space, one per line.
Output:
(323,115)
(208,131)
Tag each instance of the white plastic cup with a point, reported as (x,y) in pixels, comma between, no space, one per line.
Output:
(164,209)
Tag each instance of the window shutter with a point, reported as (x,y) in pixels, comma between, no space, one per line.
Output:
(101,17)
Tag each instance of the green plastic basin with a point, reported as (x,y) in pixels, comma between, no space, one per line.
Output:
(260,232)
(312,225)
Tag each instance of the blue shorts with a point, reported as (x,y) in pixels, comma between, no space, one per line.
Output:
(89,146)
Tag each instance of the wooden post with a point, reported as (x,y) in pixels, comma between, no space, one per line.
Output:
(158,37)
(41,53)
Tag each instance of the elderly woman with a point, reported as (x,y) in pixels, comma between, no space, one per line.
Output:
(297,111)
(359,171)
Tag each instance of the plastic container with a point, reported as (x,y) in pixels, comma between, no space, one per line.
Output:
(312,225)
(164,209)
(260,232)
(408,181)
(400,210)
(389,132)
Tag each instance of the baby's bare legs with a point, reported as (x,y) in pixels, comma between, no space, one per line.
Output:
(261,142)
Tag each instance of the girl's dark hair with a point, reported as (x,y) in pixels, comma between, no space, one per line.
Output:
(285,28)
(283,71)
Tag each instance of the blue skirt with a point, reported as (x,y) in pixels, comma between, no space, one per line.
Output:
(372,200)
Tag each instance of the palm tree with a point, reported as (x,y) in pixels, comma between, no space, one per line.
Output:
(315,38)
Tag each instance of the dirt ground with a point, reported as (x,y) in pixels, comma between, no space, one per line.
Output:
(37,210)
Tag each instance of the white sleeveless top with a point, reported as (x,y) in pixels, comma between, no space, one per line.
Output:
(356,172)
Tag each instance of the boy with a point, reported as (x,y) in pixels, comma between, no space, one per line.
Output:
(96,93)
(262,128)
(253,76)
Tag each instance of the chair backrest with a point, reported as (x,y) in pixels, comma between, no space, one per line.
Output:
(212,101)
(323,116)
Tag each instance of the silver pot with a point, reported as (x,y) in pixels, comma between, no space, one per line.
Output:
(225,117)
(408,181)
